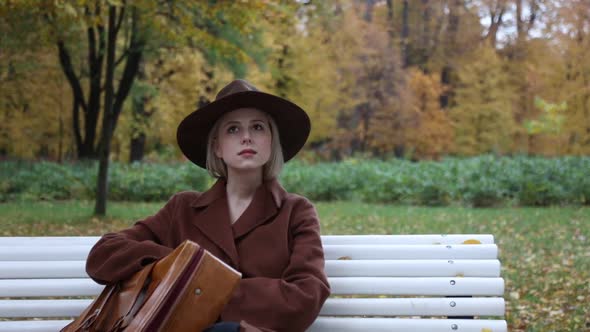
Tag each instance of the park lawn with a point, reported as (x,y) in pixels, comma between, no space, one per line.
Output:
(545,252)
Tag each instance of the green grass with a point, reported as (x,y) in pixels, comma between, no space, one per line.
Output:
(545,252)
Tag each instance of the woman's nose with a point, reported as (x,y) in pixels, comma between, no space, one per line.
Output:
(246,138)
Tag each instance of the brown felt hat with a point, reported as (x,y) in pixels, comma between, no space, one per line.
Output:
(293,122)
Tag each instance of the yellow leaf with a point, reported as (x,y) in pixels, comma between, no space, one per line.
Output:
(472,241)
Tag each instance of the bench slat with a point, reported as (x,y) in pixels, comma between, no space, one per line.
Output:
(324,324)
(406,324)
(406,239)
(334,268)
(340,286)
(33,325)
(42,308)
(44,253)
(413,268)
(482,306)
(417,286)
(483,251)
(48,287)
(34,241)
(43,269)
(332,307)
(29,241)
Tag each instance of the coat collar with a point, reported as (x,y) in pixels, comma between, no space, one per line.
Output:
(272,186)
(265,204)
(214,221)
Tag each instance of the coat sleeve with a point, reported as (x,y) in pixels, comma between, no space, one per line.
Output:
(292,302)
(117,256)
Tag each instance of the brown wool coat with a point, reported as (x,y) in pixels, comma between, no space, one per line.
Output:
(275,244)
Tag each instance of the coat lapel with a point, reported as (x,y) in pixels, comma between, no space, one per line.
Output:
(213,221)
(265,204)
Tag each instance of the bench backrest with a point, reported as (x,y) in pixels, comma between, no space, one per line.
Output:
(378,283)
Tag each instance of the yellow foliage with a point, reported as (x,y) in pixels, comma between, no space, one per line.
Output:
(539,74)
(370,83)
(35,107)
(483,117)
(316,89)
(179,78)
(576,89)
(430,135)
(342,68)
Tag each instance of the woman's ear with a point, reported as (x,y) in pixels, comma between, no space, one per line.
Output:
(216,148)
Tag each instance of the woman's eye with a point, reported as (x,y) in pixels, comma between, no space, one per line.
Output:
(258,127)
(232,129)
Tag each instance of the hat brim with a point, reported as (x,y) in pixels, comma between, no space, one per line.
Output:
(294,124)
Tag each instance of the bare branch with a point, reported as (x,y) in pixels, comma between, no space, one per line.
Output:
(68,69)
(121,16)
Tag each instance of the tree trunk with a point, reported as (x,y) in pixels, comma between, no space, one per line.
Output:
(425,40)
(137,148)
(113,103)
(102,185)
(390,26)
(405,34)
(140,118)
(95,58)
(451,51)
(284,82)
(519,25)
(369,10)
(61,136)
(496,20)
(85,144)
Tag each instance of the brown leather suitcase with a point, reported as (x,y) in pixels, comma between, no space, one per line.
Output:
(184,291)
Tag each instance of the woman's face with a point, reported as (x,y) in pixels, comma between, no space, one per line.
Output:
(244,139)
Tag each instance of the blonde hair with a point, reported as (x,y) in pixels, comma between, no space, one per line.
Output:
(217,168)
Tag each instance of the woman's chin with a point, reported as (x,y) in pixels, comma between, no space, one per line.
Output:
(246,167)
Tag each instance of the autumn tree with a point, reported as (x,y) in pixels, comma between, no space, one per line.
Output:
(36,127)
(365,70)
(226,36)
(35,116)
(483,117)
(107,40)
(370,70)
(429,130)
(574,33)
(303,66)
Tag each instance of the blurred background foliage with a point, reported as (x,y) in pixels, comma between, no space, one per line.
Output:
(418,80)
(496,91)
(483,181)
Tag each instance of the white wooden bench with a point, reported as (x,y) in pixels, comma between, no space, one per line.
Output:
(379,283)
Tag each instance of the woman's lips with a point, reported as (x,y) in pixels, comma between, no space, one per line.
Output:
(247,151)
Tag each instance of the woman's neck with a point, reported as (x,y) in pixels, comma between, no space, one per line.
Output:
(243,185)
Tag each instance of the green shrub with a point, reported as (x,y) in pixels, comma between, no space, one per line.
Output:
(484,182)
(153,182)
(324,182)
(385,181)
(135,182)
(435,184)
(542,182)
(479,181)
(577,179)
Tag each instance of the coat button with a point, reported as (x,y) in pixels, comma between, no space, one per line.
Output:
(198,291)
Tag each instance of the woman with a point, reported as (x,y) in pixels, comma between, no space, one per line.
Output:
(246,219)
